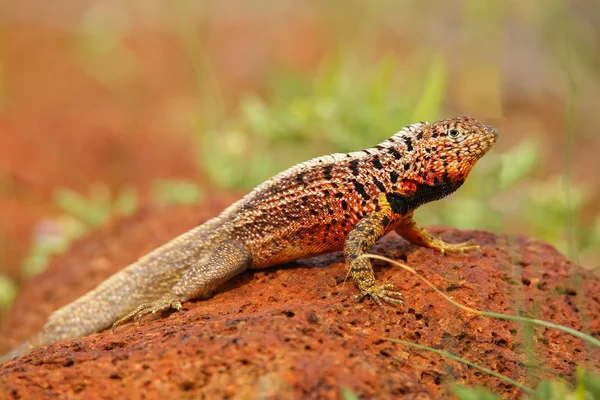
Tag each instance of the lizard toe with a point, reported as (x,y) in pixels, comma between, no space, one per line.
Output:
(460,248)
(382,293)
(153,307)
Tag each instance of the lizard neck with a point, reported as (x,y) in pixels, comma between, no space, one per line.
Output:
(420,194)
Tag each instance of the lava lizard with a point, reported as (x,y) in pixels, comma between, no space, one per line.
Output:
(340,201)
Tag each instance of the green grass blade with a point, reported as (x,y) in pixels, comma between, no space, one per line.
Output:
(469,363)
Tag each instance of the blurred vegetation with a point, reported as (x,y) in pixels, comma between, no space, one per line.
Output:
(80,213)
(177,192)
(587,386)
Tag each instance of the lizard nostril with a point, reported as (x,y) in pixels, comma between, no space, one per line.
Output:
(491,129)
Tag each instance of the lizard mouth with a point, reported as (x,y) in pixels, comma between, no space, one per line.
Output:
(492,135)
(493,131)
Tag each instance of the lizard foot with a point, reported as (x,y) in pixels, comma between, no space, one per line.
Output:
(164,303)
(380,292)
(444,247)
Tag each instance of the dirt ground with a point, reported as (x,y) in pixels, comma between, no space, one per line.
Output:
(296,332)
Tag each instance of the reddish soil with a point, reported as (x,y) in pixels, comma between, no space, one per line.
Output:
(296,332)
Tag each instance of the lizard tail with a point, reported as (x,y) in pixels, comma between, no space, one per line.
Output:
(144,281)
(94,311)
(99,308)
(23,348)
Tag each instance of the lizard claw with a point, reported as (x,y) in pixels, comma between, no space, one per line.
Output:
(153,307)
(381,293)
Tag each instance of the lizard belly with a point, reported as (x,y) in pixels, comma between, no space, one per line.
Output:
(292,245)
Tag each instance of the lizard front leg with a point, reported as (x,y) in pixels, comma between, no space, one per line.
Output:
(360,240)
(229,258)
(409,229)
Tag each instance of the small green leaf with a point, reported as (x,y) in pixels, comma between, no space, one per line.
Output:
(8,292)
(257,116)
(477,393)
(588,384)
(176,192)
(518,163)
(348,394)
(430,103)
(127,203)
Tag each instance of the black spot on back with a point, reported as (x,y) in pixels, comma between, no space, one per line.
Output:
(354,167)
(394,177)
(379,185)
(327,172)
(360,189)
(376,163)
(409,145)
(300,179)
(288,215)
(395,153)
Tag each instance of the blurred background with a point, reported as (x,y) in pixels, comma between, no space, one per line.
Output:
(108,106)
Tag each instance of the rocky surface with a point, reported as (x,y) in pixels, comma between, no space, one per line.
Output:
(295,331)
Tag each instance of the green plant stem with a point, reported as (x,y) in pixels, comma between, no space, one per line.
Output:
(562,328)
(469,363)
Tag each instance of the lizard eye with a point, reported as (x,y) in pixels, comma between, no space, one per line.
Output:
(453,133)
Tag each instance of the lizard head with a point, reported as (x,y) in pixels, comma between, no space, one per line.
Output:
(448,149)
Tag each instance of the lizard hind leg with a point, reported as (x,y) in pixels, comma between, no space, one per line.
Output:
(166,302)
(229,258)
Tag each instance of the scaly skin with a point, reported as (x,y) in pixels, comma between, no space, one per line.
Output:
(330,203)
